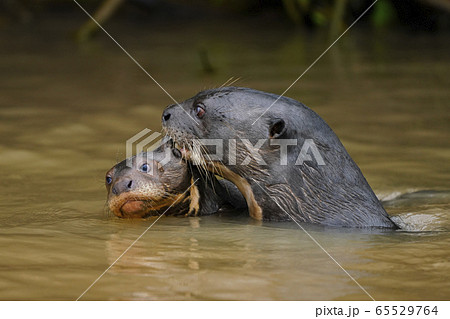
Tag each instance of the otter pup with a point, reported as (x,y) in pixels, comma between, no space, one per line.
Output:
(148,188)
(268,161)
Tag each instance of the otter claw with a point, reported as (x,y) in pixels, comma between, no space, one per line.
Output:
(192,209)
(194,205)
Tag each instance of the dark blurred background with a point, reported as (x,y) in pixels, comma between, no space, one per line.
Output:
(412,15)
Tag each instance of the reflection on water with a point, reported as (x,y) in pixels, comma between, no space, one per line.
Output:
(65,112)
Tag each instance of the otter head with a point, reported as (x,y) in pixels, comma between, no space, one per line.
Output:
(148,184)
(217,129)
(226,117)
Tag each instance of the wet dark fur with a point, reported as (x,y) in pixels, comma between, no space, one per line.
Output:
(334,194)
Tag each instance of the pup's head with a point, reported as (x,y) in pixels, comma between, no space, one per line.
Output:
(147,184)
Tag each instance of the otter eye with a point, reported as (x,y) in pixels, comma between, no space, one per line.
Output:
(144,168)
(199,111)
(108,180)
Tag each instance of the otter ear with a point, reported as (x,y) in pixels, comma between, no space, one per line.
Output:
(277,128)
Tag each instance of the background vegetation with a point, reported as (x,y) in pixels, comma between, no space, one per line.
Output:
(415,15)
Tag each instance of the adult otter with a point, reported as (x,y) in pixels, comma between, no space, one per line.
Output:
(335,193)
(141,186)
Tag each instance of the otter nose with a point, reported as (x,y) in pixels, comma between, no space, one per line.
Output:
(123,185)
(166,116)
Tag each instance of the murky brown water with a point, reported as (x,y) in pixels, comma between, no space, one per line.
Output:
(67,110)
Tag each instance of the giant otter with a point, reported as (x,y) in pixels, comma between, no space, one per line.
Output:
(146,187)
(328,189)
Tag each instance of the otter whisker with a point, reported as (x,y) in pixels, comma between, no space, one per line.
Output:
(226,82)
(234,81)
